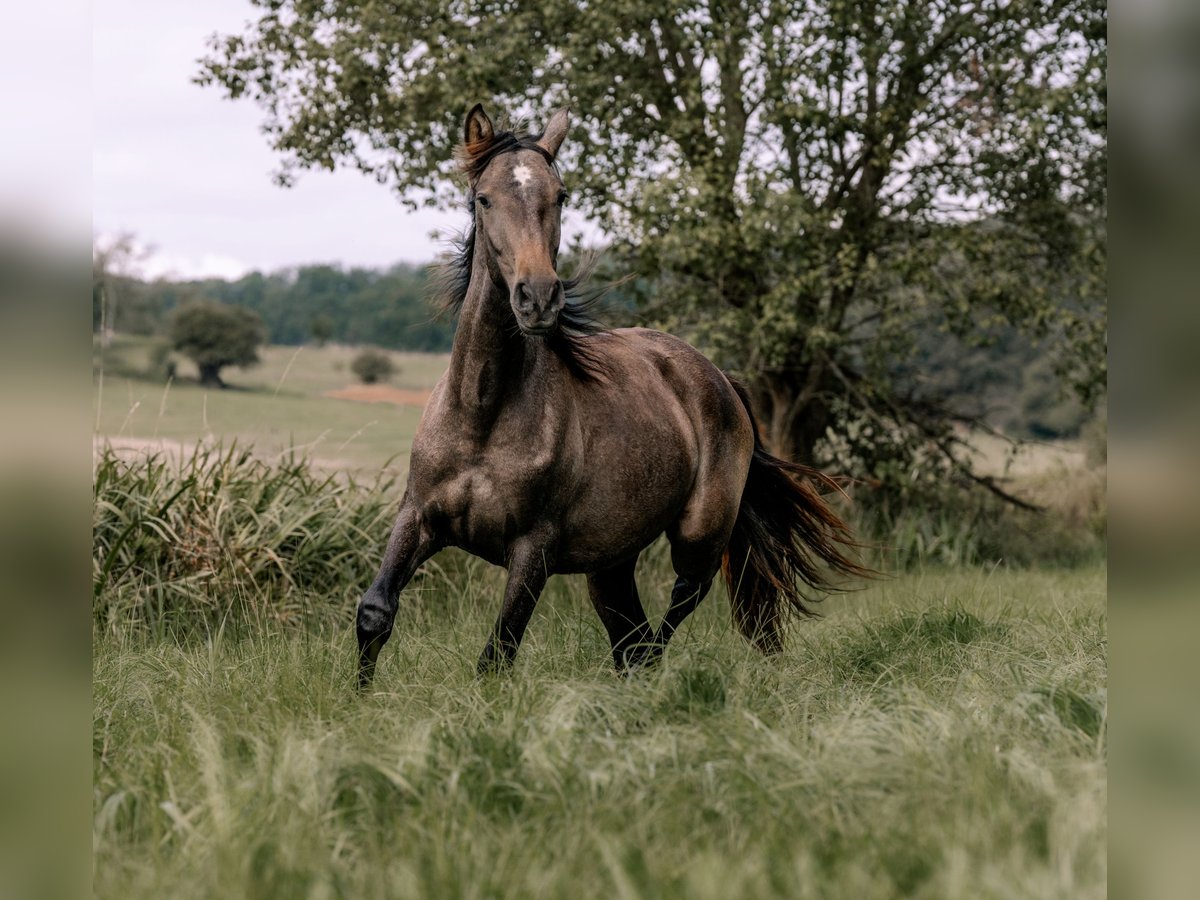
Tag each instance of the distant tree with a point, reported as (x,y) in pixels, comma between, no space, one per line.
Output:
(373,366)
(322,328)
(383,307)
(214,336)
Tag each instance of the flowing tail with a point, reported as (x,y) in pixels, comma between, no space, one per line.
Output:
(786,539)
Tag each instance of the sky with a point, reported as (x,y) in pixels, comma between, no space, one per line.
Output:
(45,120)
(190,173)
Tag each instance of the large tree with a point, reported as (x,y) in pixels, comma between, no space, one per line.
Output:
(804,185)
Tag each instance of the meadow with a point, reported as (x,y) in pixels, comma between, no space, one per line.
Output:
(940,733)
(278,406)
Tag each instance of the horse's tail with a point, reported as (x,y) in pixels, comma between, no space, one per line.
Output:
(786,539)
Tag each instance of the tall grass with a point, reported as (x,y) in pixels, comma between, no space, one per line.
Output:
(217,531)
(940,734)
(940,737)
(955,527)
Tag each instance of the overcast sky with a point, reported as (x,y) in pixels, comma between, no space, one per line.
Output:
(189,173)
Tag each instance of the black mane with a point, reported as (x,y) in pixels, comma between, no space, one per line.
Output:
(571,340)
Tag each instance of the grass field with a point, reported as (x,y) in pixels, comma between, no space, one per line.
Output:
(942,733)
(275,406)
(938,735)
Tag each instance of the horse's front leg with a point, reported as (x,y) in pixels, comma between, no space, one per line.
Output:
(410,544)
(528,570)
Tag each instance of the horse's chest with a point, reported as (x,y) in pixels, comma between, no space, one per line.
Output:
(484,496)
(483,510)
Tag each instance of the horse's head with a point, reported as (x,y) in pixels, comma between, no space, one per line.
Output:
(518,198)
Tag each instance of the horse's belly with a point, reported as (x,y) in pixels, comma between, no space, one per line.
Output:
(595,551)
(620,514)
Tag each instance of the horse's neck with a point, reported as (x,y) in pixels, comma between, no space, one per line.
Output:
(489,357)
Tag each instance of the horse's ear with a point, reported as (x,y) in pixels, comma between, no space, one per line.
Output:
(556,130)
(478,131)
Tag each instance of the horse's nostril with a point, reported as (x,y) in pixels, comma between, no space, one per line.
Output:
(540,296)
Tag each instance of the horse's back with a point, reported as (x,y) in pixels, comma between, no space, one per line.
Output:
(701,389)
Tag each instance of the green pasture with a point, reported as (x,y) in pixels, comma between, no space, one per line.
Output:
(280,404)
(273,407)
(941,734)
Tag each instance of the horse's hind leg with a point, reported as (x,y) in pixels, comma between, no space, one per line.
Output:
(614,594)
(409,545)
(698,540)
(685,597)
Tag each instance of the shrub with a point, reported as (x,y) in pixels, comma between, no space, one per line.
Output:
(372,366)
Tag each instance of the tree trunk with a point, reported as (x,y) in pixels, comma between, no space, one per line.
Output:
(210,376)
(792,423)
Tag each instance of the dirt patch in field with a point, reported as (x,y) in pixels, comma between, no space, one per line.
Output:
(381,393)
(132,448)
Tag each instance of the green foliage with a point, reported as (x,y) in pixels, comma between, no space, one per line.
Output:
(805,187)
(352,306)
(371,366)
(214,336)
(998,376)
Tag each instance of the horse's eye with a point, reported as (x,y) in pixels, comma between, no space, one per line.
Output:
(483,201)
(562,198)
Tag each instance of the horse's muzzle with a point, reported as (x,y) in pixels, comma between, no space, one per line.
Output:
(536,304)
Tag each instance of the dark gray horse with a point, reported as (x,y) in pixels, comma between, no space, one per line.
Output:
(551,447)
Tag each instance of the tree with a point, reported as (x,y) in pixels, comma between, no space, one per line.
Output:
(804,186)
(380,306)
(214,336)
(372,366)
(322,327)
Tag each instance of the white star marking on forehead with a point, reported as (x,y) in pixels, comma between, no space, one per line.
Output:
(522,174)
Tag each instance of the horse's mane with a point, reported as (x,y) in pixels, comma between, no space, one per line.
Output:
(576,324)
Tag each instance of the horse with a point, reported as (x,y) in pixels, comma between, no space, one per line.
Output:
(554,446)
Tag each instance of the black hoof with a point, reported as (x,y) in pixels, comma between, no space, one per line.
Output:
(373,627)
